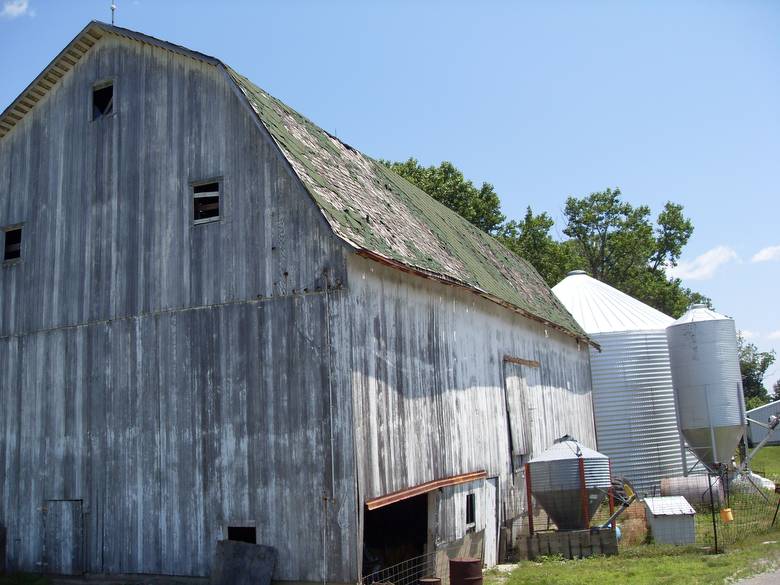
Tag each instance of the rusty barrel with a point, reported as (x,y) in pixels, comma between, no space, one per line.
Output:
(465,571)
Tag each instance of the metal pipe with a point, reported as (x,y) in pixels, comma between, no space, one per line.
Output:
(712,507)
(773,422)
(623,507)
(584,493)
(528,497)
(611,495)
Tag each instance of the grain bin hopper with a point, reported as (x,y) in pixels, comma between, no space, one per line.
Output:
(569,481)
(707,384)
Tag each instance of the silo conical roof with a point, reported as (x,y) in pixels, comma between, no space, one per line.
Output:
(698,313)
(600,308)
(633,398)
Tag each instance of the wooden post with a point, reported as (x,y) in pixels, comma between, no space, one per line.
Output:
(528,497)
(584,493)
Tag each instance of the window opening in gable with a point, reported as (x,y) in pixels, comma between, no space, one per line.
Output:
(12,248)
(205,202)
(102,100)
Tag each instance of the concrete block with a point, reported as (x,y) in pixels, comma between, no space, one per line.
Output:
(609,544)
(242,563)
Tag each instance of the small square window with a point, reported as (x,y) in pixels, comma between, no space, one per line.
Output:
(205,202)
(102,100)
(12,247)
(242,534)
(471,510)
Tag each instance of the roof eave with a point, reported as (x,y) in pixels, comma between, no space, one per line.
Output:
(473,289)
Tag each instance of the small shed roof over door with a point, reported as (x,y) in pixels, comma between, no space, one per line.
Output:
(424,488)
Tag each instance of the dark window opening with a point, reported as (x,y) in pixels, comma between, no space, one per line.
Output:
(471,510)
(205,202)
(242,534)
(394,534)
(102,101)
(13,244)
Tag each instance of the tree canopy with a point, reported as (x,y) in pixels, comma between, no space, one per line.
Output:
(530,238)
(445,183)
(613,240)
(753,365)
(619,244)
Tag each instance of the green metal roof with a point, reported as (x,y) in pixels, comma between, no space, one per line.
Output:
(380,213)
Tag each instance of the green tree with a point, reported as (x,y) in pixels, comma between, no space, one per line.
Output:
(613,240)
(530,238)
(753,365)
(446,183)
(776,390)
(620,245)
(672,232)
(617,240)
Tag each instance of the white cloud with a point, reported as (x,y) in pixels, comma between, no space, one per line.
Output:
(774,335)
(747,334)
(16,8)
(767,254)
(703,267)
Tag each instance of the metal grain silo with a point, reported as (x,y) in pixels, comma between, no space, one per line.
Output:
(556,479)
(707,383)
(633,398)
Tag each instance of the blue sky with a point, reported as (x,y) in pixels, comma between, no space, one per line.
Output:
(667,100)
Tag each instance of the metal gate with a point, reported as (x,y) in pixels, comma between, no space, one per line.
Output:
(63,547)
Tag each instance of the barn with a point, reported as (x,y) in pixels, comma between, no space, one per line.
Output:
(218,321)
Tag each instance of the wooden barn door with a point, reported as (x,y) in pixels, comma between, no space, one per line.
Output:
(64,537)
(518,410)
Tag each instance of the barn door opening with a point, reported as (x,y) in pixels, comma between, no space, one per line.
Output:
(394,534)
(63,547)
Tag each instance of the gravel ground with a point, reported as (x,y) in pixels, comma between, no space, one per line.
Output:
(772,578)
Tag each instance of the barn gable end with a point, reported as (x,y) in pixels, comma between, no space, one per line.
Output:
(169,376)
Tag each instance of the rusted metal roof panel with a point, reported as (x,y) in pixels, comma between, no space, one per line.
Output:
(424,488)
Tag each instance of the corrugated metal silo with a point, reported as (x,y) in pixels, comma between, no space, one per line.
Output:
(556,482)
(707,383)
(633,398)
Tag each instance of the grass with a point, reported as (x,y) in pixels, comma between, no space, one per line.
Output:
(651,564)
(767,462)
(750,549)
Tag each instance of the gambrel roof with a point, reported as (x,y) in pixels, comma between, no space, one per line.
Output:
(374,210)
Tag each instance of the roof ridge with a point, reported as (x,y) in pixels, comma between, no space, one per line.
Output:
(356,191)
(366,204)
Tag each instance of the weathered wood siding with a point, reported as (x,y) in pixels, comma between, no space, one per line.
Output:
(107,205)
(175,378)
(428,386)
